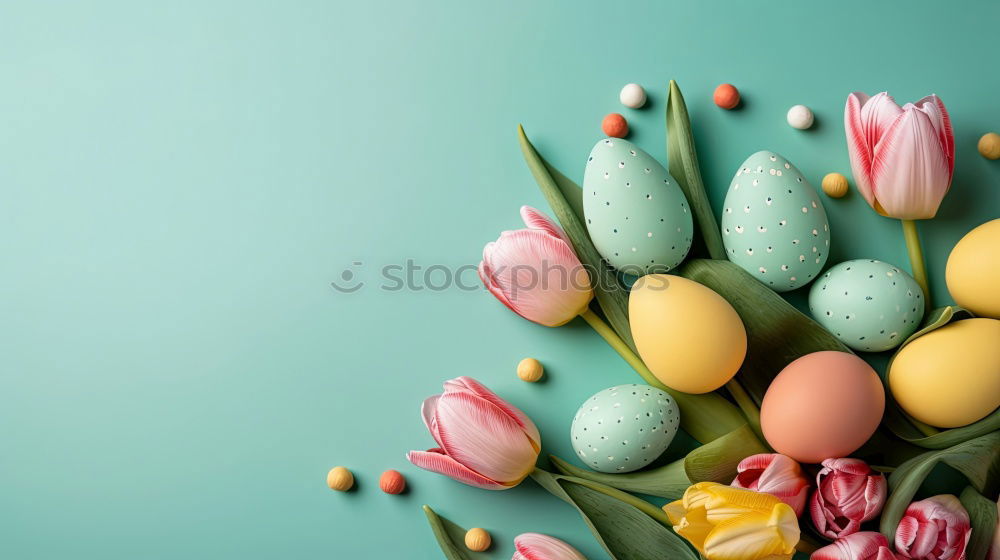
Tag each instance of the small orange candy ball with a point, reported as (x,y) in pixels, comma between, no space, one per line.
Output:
(392,482)
(615,125)
(727,96)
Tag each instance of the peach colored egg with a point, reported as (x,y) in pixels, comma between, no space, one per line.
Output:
(823,405)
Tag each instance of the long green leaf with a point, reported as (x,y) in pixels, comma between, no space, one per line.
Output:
(566,203)
(712,462)
(684,167)
(983,514)
(448,535)
(914,432)
(978,459)
(777,333)
(628,528)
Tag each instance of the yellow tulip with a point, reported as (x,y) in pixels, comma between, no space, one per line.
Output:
(726,523)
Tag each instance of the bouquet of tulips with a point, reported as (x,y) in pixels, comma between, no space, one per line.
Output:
(732,497)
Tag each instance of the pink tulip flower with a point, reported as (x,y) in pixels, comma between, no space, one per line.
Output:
(774,474)
(937,528)
(902,157)
(864,545)
(848,493)
(536,546)
(535,272)
(484,441)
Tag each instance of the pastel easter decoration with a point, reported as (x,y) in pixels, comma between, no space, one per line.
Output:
(615,125)
(624,428)
(800,117)
(392,482)
(989,145)
(340,479)
(726,96)
(949,377)
(773,223)
(530,370)
(477,539)
(973,270)
(687,335)
(823,405)
(868,304)
(632,96)
(636,214)
(835,185)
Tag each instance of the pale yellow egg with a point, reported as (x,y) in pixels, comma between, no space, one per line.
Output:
(973,270)
(688,336)
(949,377)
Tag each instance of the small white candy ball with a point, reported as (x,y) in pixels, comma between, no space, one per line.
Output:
(632,96)
(800,117)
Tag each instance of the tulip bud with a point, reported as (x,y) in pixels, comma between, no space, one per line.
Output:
(864,545)
(535,272)
(775,474)
(937,528)
(536,546)
(848,493)
(484,440)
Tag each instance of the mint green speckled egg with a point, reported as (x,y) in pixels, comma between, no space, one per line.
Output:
(636,214)
(624,428)
(869,305)
(773,223)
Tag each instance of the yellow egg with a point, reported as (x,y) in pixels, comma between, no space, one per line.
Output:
(973,271)
(949,377)
(688,335)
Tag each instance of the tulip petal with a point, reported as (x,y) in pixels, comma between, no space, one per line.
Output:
(536,546)
(754,535)
(435,461)
(481,436)
(935,109)
(535,219)
(428,410)
(726,502)
(695,527)
(470,385)
(864,545)
(536,275)
(910,168)
(867,120)
(675,511)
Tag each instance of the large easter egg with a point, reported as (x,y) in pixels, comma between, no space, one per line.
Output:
(773,223)
(869,305)
(823,405)
(636,214)
(950,376)
(973,271)
(624,428)
(687,335)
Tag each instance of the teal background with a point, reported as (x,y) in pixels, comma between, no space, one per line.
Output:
(183,181)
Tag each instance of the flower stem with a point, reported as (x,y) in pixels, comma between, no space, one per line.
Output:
(746,404)
(912,238)
(615,341)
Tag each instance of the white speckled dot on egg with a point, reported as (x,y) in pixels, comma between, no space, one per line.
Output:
(868,304)
(624,428)
(636,214)
(773,223)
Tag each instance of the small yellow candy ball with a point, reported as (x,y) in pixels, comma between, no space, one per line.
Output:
(477,540)
(989,145)
(530,370)
(835,185)
(340,479)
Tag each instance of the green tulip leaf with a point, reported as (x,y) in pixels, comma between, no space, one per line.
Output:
(983,514)
(917,433)
(777,333)
(978,459)
(627,527)
(450,537)
(713,462)
(684,167)
(563,196)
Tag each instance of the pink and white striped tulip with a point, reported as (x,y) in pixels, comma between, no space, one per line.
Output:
(937,528)
(536,546)
(484,440)
(902,157)
(774,474)
(864,545)
(535,272)
(848,493)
